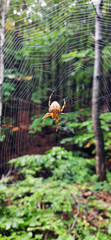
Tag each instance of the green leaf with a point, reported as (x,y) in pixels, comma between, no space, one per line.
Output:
(109,229)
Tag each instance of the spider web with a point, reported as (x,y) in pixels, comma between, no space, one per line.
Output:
(38,34)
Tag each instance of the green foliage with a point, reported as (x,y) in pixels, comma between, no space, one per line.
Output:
(62,165)
(82,64)
(73,127)
(36,96)
(85,130)
(107,58)
(7,90)
(78,54)
(3,134)
(37,123)
(41,199)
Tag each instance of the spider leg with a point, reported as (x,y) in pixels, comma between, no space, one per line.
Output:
(63,105)
(46,115)
(57,123)
(50,99)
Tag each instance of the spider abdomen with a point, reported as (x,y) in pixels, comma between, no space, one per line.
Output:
(55,107)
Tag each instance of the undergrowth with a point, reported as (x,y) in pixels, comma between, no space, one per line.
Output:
(55,196)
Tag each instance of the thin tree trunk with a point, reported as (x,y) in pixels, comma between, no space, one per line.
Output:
(3,11)
(97,84)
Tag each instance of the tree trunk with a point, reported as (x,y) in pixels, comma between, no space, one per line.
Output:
(97,84)
(4,5)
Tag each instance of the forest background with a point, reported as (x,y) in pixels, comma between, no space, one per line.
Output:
(49,46)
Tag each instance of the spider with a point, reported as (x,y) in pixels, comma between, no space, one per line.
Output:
(54,111)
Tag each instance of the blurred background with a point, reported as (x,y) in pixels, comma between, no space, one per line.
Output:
(49,46)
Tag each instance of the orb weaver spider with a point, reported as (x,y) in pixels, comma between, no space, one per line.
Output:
(54,111)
